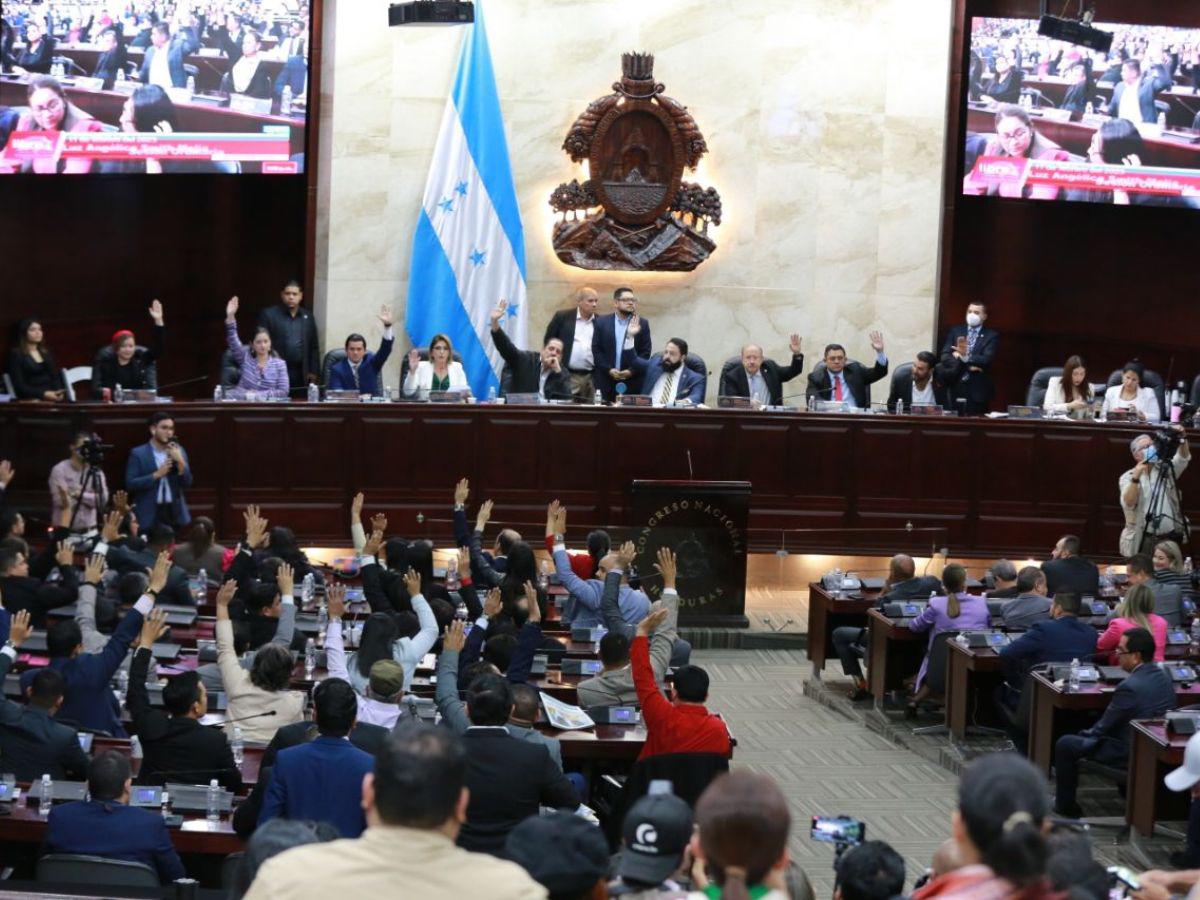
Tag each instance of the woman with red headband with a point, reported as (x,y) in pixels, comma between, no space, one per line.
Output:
(127,365)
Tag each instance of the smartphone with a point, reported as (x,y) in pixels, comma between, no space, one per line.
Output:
(1125,876)
(838,830)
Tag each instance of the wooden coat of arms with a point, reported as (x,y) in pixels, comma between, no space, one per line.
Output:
(635,211)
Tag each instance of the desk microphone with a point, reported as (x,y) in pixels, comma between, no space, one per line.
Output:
(691,474)
(185,381)
(273,712)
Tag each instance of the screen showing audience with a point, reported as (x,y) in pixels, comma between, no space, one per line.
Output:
(154,87)
(1050,120)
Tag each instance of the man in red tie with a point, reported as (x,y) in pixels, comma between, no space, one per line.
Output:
(847,382)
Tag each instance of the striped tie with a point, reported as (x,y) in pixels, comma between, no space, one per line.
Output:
(668,391)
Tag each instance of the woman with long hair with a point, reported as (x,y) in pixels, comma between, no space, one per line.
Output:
(1135,611)
(1129,395)
(50,110)
(31,366)
(1017,137)
(1069,394)
(1169,567)
(957,611)
(261,370)
(439,373)
(200,551)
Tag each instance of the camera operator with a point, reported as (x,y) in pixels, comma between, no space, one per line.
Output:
(1150,494)
(77,484)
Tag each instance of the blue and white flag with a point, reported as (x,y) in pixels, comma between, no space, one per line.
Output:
(469,249)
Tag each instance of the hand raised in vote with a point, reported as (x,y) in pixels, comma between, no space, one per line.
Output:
(626,554)
(454,637)
(414,359)
(412,582)
(158,575)
(94,570)
(794,344)
(655,618)
(498,313)
(6,473)
(64,554)
(156,312)
(492,603)
(335,597)
(552,517)
(20,629)
(379,522)
(231,309)
(153,627)
(374,542)
(667,567)
(462,492)
(285,580)
(224,595)
(464,562)
(635,327)
(385,315)
(531,598)
(112,526)
(877,341)
(356,505)
(484,514)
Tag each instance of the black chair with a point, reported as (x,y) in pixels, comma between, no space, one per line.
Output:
(107,354)
(819,372)
(231,367)
(78,868)
(689,774)
(694,362)
(903,372)
(1150,379)
(1195,400)
(935,672)
(1035,394)
(332,358)
(424,353)
(726,367)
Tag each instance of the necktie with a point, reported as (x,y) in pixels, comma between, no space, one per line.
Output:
(837,388)
(354,371)
(972,337)
(668,391)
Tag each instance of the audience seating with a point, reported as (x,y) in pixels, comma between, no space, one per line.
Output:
(72,868)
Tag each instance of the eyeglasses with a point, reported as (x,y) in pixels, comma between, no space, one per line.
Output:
(1019,135)
(1121,652)
(53,106)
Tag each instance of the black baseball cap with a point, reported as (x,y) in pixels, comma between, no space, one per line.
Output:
(656,832)
(562,852)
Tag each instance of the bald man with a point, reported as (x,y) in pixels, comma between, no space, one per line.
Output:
(758,378)
(573,326)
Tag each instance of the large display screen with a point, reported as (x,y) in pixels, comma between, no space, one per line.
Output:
(1048,120)
(154,86)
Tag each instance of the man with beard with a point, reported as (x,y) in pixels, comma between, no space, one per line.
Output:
(667,379)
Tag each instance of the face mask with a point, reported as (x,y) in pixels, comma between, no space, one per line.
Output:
(1150,454)
(974,320)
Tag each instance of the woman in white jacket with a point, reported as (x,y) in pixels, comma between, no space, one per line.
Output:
(1130,395)
(1076,397)
(439,373)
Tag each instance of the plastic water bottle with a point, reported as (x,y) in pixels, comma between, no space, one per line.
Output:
(121,75)
(453,582)
(322,617)
(310,658)
(961,640)
(213,807)
(1162,120)
(166,804)
(544,577)
(597,399)
(899,407)
(201,589)
(285,101)
(307,589)
(191,84)
(1090,109)
(460,611)
(47,798)
(118,394)
(123,685)
(1073,678)
(314,394)
(492,394)
(238,746)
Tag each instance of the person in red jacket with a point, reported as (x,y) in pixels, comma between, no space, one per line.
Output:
(681,724)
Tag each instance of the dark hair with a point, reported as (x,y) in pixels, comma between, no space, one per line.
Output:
(355,337)
(871,871)
(681,344)
(24,325)
(1119,138)
(268,840)
(161,28)
(131,586)
(62,638)
(36,83)
(259,597)
(475,669)
(420,560)
(1134,366)
(1070,392)
(419,775)
(954,577)
(160,416)
(107,775)
(47,688)
(282,543)
(9,557)
(614,649)
(1140,641)
(829,348)
(621,290)
(8,521)
(443,612)
(505,540)
(152,108)
(691,684)
(1028,578)
(180,692)
(160,535)
(110,30)
(526,701)
(743,820)
(928,358)
(598,546)
(378,636)
(1003,802)
(407,624)
(291,282)
(489,700)
(201,536)
(1070,543)
(335,707)
(395,553)
(1072,868)
(1140,563)
(499,650)
(520,567)
(272,668)
(1134,63)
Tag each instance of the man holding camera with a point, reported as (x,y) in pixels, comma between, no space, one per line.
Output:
(1150,491)
(79,481)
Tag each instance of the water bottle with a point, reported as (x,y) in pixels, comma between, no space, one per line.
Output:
(285,101)
(544,577)
(166,804)
(1194,647)
(322,617)
(453,582)
(120,75)
(310,658)
(118,394)
(238,746)
(597,399)
(492,394)
(1073,678)
(961,640)
(213,807)
(460,611)
(218,394)
(1162,120)
(1090,109)
(899,407)
(47,798)
(837,584)
(122,685)
(191,84)
(307,589)
(314,394)
(201,589)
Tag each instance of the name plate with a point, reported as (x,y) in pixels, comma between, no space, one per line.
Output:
(635,400)
(926,409)
(89,84)
(523,399)
(832,406)
(735,403)
(245,104)
(337,396)
(448,396)
(1026,412)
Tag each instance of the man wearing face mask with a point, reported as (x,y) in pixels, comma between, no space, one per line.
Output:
(966,363)
(1153,511)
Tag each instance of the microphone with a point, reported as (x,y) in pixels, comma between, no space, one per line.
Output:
(185,381)
(273,712)
(691,474)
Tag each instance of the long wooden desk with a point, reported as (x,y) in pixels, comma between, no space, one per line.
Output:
(825,473)
(1154,753)
(971,675)
(895,653)
(1184,101)
(825,613)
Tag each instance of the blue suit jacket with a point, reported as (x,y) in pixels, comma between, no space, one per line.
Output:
(1154,81)
(322,781)
(1054,640)
(116,831)
(1147,693)
(605,355)
(689,386)
(143,486)
(342,379)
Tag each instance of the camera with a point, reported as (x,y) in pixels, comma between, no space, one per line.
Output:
(91,451)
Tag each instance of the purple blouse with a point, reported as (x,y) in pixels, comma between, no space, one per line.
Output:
(271,381)
(973,616)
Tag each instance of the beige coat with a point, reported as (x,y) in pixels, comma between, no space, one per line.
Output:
(246,699)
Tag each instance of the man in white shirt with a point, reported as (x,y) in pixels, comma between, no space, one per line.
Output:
(574,327)
(1133,98)
(157,66)
(1144,526)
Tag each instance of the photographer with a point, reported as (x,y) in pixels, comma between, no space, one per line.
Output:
(1150,494)
(78,480)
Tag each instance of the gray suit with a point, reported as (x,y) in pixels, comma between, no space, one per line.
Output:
(1168,602)
(1025,609)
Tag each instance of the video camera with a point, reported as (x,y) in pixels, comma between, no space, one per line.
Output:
(1167,439)
(91,451)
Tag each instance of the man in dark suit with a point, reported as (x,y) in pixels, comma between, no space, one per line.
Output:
(360,370)
(156,475)
(920,387)
(164,59)
(758,378)
(107,826)
(531,372)
(112,57)
(616,339)
(124,558)
(1147,693)
(966,361)
(574,327)
(31,742)
(322,779)
(20,590)
(1066,570)
(851,642)
(1133,97)
(176,747)
(666,379)
(508,778)
(293,333)
(847,382)
(1081,90)
(1004,580)
(229,38)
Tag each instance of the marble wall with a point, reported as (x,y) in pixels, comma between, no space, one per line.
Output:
(824,119)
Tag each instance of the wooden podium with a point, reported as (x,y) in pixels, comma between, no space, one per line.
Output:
(704,522)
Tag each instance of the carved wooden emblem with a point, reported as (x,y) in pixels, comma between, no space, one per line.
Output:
(635,211)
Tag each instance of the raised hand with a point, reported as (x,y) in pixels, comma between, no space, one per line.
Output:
(231,309)
(412,582)
(464,562)
(224,595)
(20,628)
(531,597)
(484,514)
(414,359)
(794,344)
(120,502)
(635,326)
(156,312)
(256,527)
(158,575)
(877,341)
(374,542)
(335,597)
(560,527)
(492,603)
(379,522)
(666,567)
(385,315)
(356,505)
(552,517)
(462,492)
(650,624)
(498,313)
(626,554)
(285,579)
(112,526)
(6,473)
(94,570)
(153,627)
(454,637)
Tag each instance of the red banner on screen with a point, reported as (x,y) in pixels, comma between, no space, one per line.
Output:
(993,171)
(28,146)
